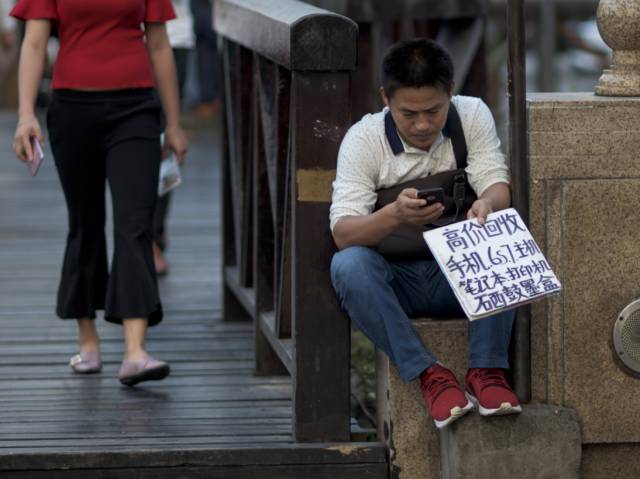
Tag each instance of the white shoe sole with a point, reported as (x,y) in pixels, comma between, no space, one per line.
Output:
(456,413)
(504,410)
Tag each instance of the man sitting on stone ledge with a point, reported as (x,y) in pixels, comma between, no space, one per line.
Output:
(403,142)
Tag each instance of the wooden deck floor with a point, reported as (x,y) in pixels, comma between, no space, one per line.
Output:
(210,418)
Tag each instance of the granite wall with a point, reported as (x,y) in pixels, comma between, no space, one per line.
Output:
(585,213)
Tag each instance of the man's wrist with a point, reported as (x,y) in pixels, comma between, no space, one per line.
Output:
(391,213)
(488,202)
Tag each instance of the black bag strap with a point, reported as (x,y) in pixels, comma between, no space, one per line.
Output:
(454,128)
(456,133)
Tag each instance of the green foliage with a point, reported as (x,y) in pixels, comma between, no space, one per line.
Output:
(363,378)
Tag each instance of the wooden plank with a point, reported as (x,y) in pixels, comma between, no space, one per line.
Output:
(160,433)
(231,174)
(245,296)
(245,163)
(134,408)
(216,417)
(229,249)
(268,362)
(283,223)
(187,381)
(331,471)
(283,347)
(258,453)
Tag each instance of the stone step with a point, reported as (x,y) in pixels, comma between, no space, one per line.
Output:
(544,441)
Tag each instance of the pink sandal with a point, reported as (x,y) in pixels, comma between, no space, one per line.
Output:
(86,363)
(147,369)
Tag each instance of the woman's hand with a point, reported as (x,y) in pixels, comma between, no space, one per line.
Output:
(176,141)
(26,129)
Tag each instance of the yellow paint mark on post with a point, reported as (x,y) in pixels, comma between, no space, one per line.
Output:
(344,449)
(315,185)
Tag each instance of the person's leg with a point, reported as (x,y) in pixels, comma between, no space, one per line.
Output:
(489,339)
(181,57)
(132,164)
(135,330)
(88,336)
(132,295)
(206,54)
(132,171)
(159,234)
(379,296)
(159,219)
(80,163)
(368,291)
(137,365)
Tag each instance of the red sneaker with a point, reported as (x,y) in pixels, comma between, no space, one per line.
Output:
(445,398)
(488,388)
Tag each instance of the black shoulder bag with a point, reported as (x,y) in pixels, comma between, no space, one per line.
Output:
(406,242)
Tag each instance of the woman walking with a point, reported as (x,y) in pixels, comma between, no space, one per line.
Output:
(104,125)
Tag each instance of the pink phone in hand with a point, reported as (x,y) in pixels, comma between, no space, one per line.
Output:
(38,156)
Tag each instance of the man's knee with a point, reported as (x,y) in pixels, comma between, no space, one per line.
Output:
(353,264)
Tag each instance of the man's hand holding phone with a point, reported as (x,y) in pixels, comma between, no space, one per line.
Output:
(411,209)
(431,195)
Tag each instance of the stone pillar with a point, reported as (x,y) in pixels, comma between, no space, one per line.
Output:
(584,183)
(619,26)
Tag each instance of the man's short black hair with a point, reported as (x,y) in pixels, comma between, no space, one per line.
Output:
(415,64)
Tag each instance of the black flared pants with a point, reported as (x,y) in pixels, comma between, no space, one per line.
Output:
(98,137)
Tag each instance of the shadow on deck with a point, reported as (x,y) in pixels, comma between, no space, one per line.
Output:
(211,418)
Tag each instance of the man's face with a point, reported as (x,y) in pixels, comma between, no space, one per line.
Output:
(419,113)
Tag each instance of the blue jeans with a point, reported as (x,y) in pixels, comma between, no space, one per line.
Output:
(380,296)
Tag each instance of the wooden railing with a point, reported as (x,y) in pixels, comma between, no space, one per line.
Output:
(286,75)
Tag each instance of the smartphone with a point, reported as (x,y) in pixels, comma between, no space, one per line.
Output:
(38,156)
(432,195)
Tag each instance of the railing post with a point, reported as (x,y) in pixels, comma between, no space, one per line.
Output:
(520,342)
(320,114)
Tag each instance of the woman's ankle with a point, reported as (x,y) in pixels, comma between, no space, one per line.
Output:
(134,333)
(135,355)
(88,338)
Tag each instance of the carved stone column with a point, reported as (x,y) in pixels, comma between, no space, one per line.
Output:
(619,26)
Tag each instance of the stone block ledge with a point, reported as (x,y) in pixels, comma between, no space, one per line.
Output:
(543,442)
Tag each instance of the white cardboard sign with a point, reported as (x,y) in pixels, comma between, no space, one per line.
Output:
(492,267)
